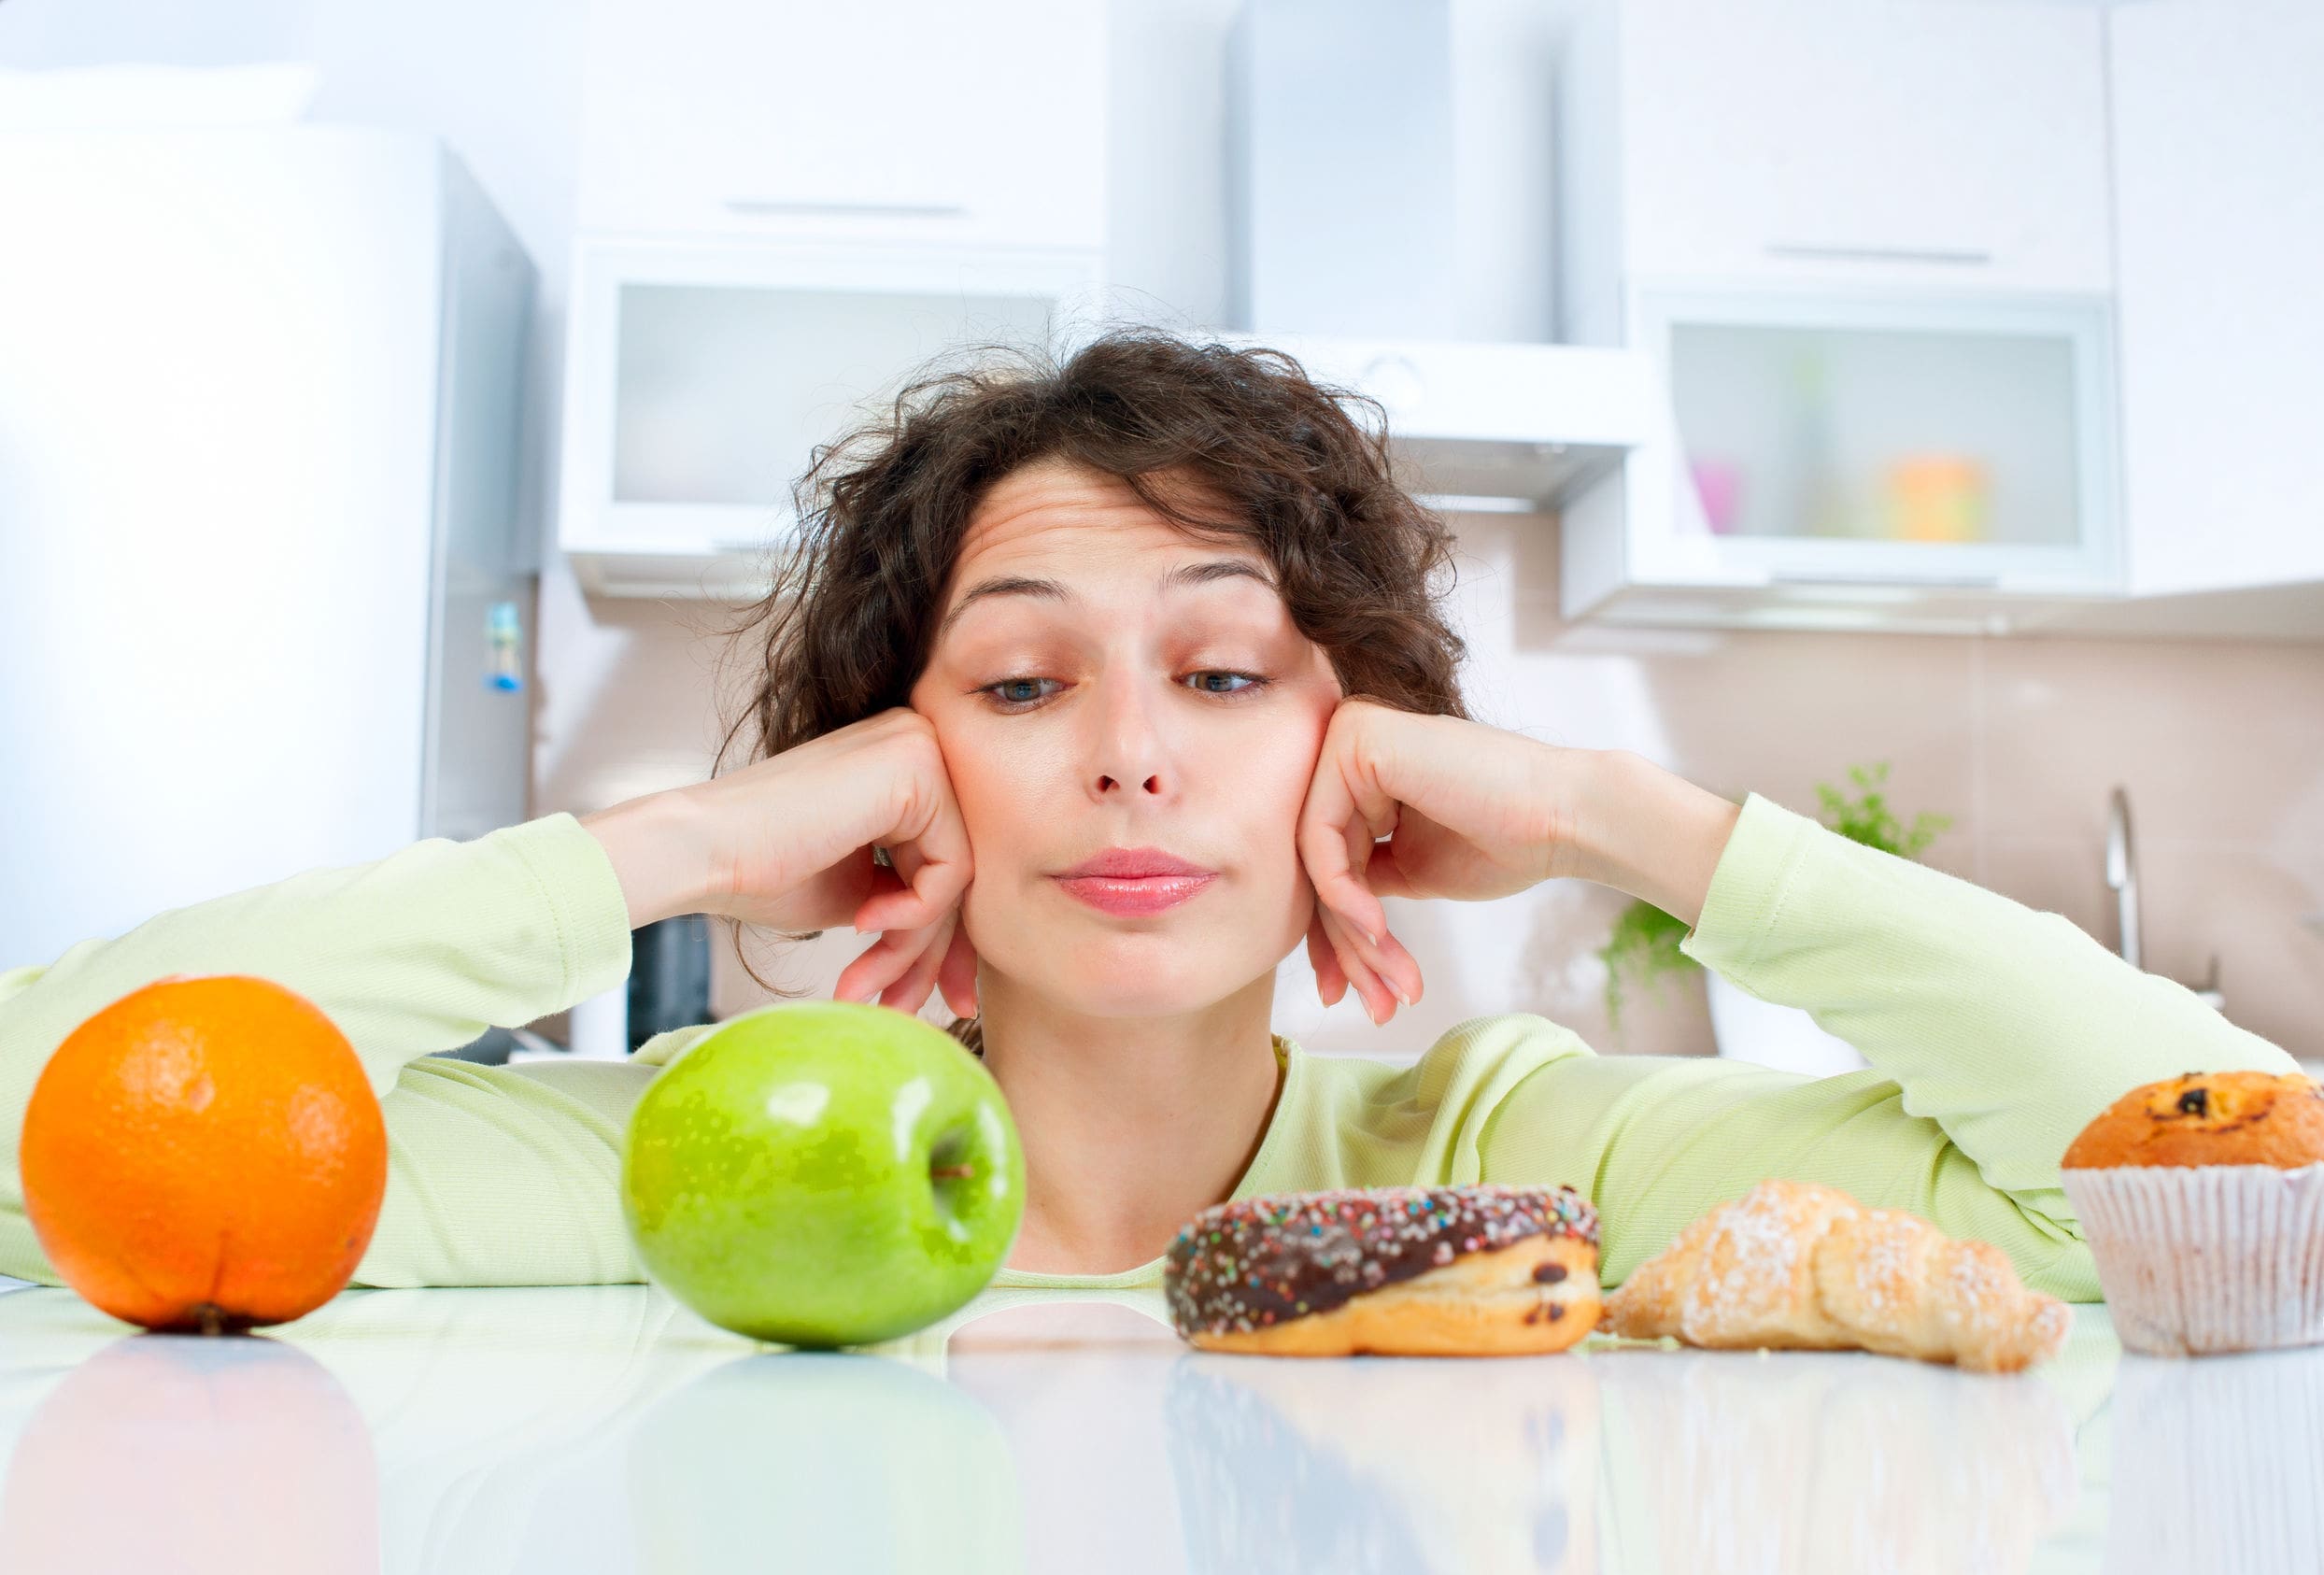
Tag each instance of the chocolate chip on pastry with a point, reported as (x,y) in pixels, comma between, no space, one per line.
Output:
(2208,1118)
(1480,1269)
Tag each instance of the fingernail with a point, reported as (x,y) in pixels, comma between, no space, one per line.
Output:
(1398,990)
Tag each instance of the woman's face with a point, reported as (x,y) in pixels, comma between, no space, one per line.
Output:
(1102,680)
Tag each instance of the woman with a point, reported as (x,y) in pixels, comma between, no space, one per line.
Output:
(1164,600)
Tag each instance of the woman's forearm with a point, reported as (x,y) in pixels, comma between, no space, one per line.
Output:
(1649,832)
(655,849)
(1994,1033)
(2006,1024)
(415,952)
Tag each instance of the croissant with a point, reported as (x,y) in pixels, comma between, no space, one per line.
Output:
(1804,1267)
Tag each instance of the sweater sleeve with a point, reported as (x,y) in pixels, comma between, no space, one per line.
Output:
(496,1173)
(1994,1033)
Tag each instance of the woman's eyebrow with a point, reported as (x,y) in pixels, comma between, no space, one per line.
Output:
(1202,572)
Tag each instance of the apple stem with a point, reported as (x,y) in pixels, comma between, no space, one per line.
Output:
(961,1171)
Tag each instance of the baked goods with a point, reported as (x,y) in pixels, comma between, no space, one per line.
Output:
(2202,1200)
(2208,1118)
(1481,1269)
(1796,1265)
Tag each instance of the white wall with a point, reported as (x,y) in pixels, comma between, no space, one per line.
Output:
(38,34)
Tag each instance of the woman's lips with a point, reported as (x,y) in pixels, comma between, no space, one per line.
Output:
(1139,894)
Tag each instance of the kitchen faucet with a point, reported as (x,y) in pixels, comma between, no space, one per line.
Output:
(2122,875)
(2122,879)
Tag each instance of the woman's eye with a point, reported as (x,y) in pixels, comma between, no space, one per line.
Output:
(1004,691)
(1022,694)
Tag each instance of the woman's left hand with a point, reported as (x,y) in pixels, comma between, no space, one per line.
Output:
(1469,812)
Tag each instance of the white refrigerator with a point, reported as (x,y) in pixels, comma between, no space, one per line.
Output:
(262,597)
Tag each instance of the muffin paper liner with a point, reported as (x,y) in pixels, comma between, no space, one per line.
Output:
(2209,1257)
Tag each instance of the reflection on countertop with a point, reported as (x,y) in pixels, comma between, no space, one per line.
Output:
(605,1428)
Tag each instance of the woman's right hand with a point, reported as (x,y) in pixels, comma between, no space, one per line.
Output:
(786,843)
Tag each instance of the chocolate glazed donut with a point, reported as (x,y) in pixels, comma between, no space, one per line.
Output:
(1484,1270)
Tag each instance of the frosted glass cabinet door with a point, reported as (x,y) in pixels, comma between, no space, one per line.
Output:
(700,378)
(722,393)
(1897,440)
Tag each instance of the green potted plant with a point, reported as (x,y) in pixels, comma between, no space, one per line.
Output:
(1868,819)
(1643,949)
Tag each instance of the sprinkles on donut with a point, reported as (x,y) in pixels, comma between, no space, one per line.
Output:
(1479,1269)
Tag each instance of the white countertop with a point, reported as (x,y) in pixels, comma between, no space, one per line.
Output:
(605,1428)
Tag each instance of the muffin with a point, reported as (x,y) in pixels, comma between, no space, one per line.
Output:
(2203,1198)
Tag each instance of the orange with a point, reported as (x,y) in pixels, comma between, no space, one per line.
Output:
(205,1154)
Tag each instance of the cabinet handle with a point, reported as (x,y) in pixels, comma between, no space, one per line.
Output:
(1881,253)
(785,206)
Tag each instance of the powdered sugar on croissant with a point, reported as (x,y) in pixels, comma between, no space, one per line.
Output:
(1795,1265)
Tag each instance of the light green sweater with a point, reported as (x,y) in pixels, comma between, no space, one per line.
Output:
(1994,1033)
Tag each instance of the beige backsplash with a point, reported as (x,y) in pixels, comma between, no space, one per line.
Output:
(2019,739)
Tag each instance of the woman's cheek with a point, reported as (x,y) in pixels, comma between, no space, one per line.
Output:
(1279,896)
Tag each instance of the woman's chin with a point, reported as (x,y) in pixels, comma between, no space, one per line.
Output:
(1115,981)
(1185,959)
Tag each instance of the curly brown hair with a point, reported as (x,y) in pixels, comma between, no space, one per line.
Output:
(1277,462)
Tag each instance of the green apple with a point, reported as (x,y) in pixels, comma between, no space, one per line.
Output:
(823,1174)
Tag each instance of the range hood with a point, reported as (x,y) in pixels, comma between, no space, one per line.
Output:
(1491,426)
(1390,182)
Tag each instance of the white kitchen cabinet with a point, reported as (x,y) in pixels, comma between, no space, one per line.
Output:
(1866,246)
(1831,458)
(873,120)
(2219,175)
(700,375)
(1956,145)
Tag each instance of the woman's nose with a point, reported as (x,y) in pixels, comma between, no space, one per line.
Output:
(1128,751)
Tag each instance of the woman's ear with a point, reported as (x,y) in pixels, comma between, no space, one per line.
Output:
(958,975)
(1327,670)
(916,697)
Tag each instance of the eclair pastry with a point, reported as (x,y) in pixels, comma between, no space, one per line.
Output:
(1480,1269)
